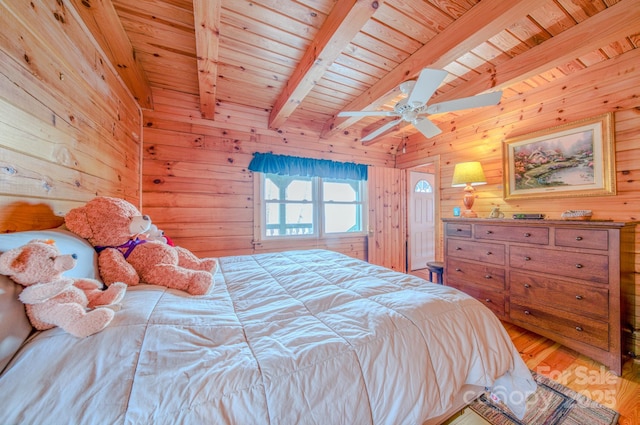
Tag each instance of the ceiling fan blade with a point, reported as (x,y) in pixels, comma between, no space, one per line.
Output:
(428,82)
(367,114)
(381,130)
(486,99)
(426,127)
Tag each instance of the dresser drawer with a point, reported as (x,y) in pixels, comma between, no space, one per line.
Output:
(573,297)
(583,238)
(591,267)
(535,235)
(472,273)
(479,251)
(573,326)
(494,300)
(458,229)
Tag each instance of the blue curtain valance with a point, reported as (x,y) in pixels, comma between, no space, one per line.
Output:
(296,166)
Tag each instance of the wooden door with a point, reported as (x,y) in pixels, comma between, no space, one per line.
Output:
(387,218)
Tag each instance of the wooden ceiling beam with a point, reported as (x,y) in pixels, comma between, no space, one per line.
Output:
(104,23)
(341,26)
(611,25)
(206,17)
(608,26)
(480,23)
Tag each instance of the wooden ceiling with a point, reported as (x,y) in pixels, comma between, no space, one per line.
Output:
(306,60)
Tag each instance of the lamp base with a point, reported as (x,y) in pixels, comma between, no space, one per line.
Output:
(469,214)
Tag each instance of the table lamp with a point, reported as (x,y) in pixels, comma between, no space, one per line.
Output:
(467,175)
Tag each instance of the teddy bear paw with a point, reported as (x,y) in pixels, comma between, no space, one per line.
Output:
(92,322)
(209,264)
(201,283)
(116,291)
(110,296)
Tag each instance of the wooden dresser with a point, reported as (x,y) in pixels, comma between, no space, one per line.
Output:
(560,279)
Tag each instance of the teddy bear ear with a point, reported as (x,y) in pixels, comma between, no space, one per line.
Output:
(76,220)
(14,261)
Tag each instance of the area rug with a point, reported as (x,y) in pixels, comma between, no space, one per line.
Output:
(551,404)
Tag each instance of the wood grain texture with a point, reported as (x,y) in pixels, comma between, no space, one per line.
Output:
(387,232)
(197,186)
(581,374)
(567,99)
(340,27)
(104,24)
(206,15)
(69,129)
(550,279)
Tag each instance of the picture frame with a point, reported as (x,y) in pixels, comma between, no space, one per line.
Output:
(570,160)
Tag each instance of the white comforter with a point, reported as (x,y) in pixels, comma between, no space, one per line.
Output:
(301,337)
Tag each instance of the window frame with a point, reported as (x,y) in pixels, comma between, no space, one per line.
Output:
(318,204)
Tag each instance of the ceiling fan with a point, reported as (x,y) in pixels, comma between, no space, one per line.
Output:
(414,108)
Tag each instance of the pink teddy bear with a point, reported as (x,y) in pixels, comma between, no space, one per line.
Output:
(79,306)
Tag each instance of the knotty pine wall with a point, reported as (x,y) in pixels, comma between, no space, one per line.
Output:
(69,129)
(196,185)
(611,86)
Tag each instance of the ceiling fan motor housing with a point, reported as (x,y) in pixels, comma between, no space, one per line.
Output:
(407,112)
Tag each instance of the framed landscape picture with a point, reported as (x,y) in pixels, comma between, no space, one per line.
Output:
(575,159)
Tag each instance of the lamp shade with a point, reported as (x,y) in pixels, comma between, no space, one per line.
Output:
(468,173)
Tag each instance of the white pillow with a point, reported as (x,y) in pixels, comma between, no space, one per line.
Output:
(66,241)
(14,323)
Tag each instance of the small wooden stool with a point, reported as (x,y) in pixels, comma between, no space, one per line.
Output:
(435,267)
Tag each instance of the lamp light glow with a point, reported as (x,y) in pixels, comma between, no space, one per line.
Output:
(467,175)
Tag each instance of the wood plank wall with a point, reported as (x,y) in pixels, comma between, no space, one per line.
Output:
(196,184)
(611,86)
(69,129)
(387,218)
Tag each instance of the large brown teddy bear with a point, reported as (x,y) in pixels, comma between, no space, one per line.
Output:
(112,225)
(76,305)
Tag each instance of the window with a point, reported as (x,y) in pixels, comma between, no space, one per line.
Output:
(423,186)
(295,206)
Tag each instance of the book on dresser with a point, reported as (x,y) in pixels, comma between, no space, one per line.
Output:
(561,279)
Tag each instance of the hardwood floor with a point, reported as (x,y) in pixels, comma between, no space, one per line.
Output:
(581,374)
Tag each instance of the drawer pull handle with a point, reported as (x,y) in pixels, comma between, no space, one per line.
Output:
(578,266)
(458,230)
(489,252)
(488,300)
(488,276)
(526,285)
(527,312)
(458,248)
(526,235)
(578,297)
(527,258)
(458,269)
(489,232)
(578,238)
(579,329)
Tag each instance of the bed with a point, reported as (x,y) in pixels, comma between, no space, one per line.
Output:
(296,337)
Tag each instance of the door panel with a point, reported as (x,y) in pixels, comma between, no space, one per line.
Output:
(421,219)
(387,218)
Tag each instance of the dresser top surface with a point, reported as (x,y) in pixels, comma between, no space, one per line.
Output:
(543,222)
